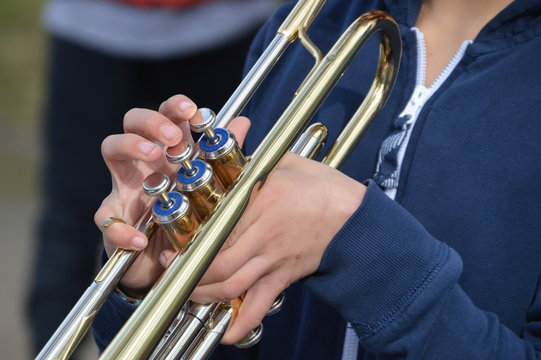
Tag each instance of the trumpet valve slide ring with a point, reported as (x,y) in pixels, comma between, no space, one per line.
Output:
(187,181)
(217,146)
(181,154)
(277,305)
(251,339)
(157,184)
(206,125)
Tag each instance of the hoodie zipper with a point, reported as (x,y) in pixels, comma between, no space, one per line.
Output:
(421,94)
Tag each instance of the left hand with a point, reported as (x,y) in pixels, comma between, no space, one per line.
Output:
(280,238)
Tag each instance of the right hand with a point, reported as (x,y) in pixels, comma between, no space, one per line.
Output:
(131,157)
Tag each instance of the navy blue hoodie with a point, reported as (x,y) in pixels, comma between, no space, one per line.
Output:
(450,270)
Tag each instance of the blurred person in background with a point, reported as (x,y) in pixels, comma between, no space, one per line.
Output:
(105,57)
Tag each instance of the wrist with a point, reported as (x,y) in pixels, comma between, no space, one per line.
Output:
(132,296)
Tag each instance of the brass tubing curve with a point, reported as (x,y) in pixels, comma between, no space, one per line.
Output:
(300,17)
(144,329)
(389,61)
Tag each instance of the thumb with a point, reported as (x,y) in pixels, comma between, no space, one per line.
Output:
(239,126)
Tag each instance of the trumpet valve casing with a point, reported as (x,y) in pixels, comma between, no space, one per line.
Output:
(171,211)
(218,147)
(178,221)
(225,156)
(202,188)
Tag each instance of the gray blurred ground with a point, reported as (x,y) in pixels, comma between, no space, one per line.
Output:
(21,78)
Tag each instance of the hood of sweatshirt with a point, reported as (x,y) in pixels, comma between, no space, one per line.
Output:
(520,21)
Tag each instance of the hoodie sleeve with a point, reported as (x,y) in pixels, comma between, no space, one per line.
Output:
(398,287)
(112,316)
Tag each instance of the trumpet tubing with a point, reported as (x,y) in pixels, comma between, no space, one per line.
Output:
(220,192)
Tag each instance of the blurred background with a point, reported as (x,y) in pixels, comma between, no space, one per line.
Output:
(21,83)
(103,58)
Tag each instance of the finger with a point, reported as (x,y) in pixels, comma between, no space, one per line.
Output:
(153,126)
(119,234)
(167,256)
(235,285)
(255,305)
(240,126)
(230,260)
(178,108)
(129,147)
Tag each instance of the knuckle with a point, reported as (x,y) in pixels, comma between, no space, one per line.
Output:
(278,190)
(167,107)
(99,216)
(170,106)
(149,122)
(230,290)
(129,116)
(266,200)
(252,320)
(163,106)
(104,210)
(222,269)
(284,282)
(123,144)
(106,144)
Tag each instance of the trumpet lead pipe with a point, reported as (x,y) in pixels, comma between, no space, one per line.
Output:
(71,331)
(252,80)
(75,326)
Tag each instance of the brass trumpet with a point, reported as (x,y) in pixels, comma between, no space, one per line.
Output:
(143,331)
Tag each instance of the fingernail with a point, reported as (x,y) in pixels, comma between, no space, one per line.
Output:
(146,147)
(139,242)
(185,105)
(169,131)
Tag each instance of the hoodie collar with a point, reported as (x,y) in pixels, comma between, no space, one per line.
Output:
(405,12)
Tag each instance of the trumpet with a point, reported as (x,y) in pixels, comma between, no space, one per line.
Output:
(159,311)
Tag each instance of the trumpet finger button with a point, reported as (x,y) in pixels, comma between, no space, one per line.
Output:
(179,153)
(157,184)
(182,154)
(203,121)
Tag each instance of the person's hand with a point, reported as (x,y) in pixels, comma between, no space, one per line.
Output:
(131,157)
(279,239)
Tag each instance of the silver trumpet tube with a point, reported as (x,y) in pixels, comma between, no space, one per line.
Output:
(142,333)
(72,330)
